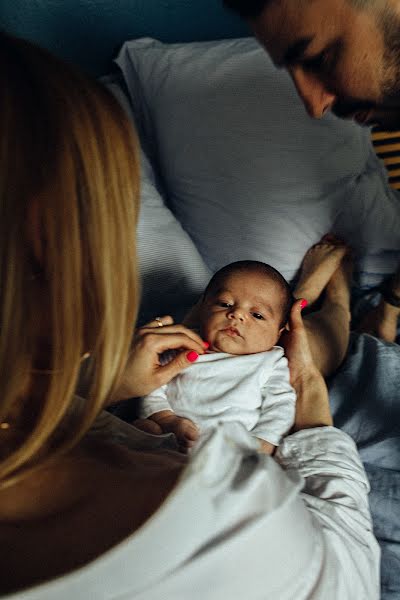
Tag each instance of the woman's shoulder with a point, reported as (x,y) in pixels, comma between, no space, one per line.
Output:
(85,503)
(138,497)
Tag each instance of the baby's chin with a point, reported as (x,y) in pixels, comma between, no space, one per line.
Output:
(234,346)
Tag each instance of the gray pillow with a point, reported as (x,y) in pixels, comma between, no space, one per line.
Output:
(246,172)
(173,274)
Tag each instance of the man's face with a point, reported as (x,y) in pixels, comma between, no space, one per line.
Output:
(242,316)
(340,58)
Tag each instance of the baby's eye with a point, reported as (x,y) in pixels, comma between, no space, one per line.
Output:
(224,304)
(258,316)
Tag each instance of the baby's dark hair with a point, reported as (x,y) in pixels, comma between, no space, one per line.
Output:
(255,266)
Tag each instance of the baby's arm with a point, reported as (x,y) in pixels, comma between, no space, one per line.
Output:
(156,407)
(266,447)
(277,409)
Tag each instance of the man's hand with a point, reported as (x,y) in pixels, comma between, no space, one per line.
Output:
(381,322)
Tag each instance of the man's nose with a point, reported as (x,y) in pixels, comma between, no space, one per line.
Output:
(316,98)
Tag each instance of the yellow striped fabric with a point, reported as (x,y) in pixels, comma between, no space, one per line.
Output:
(387,147)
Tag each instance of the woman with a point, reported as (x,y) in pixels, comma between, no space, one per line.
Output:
(90,506)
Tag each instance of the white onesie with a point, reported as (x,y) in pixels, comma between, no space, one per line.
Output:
(253,389)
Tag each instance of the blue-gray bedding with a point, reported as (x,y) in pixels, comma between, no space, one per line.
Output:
(365,401)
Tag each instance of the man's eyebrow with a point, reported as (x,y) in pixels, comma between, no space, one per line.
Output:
(296,50)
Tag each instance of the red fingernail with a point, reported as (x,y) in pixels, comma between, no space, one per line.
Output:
(303,304)
(192,356)
(206,345)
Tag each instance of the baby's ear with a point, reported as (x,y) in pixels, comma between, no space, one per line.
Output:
(282,329)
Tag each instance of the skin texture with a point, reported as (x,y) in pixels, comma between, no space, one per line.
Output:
(312,404)
(350,65)
(244,316)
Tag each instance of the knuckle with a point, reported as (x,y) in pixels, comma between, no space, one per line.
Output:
(147,340)
(141,332)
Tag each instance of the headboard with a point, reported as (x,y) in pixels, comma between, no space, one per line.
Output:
(90,32)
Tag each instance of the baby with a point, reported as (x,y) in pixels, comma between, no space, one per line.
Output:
(244,376)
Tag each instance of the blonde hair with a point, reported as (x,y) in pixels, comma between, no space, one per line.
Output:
(66,145)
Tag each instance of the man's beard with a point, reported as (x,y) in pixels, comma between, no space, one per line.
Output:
(386,112)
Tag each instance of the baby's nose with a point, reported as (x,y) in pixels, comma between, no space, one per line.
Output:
(236,313)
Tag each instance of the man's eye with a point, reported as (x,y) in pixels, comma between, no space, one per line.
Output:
(257,316)
(224,304)
(323,62)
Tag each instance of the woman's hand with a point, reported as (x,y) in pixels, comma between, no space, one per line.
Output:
(294,341)
(144,373)
(312,405)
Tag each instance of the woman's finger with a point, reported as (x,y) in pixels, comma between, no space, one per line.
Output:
(295,317)
(159,322)
(168,330)
(181,361)
(153,343)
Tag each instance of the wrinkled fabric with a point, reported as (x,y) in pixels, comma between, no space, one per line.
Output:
(252,389)
(244,525)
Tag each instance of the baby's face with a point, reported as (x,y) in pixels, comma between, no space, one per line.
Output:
(243,316)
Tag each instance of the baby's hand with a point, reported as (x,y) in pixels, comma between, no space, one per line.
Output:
(185,430)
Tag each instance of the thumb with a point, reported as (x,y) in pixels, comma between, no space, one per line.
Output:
(180,362)
(295,318)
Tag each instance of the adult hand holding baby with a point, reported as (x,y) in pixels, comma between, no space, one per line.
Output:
(143,372)
(312,406)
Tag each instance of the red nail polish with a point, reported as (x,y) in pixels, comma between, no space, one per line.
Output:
(192,356)
(303,303)
(206,345)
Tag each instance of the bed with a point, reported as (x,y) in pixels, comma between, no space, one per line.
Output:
(233,168)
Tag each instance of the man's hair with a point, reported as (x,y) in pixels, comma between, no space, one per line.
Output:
(252,9)
(248,9)
(254,266)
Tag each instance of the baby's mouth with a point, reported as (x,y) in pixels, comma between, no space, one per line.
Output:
(232,331)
